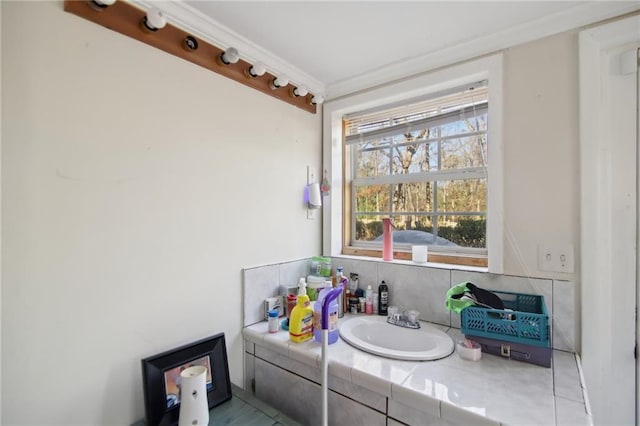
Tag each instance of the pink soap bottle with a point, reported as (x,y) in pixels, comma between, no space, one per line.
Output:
(387,239)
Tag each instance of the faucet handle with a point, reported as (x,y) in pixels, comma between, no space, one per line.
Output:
(392,311)
(413,316)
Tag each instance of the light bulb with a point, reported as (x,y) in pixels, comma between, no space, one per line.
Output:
(257,69)
(279,82)
(100,5)
(317,100)
(230,56)
(300,91)
(155,19)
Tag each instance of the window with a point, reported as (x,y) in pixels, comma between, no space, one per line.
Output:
(424,165)
(426,150)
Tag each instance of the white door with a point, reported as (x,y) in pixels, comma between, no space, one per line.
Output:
(609,218)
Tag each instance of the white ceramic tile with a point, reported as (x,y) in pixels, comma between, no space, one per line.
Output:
(249,347)
(277,342)
(419,288)
(391,422)
(455,320)
(291,272)
(283,361)
(412,416)
(306,352)
(464,416)
(339,370)
(571,413)
(564,315)
(300,399)
(377,373)
(296,397)
(345,411)
(490,388)
(367,270)
(249,371)
(566,378)
(343,385)
(398,277)
(415,398)
(371,382)
(258,284)
(255,333)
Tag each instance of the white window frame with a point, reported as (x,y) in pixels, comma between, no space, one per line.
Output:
(486,68)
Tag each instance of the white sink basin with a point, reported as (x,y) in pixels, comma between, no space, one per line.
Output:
(374,335)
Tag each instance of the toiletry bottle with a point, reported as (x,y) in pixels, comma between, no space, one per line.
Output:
(383,298)
(301,321)
(368,301)
(273,321)
(343,281)
(333,318)
(353,286)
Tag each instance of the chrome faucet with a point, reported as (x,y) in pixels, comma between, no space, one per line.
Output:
(407,319)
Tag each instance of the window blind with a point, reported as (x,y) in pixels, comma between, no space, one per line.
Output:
(464,101)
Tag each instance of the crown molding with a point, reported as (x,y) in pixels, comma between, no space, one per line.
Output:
(207,28)
(203,26)
(579,16)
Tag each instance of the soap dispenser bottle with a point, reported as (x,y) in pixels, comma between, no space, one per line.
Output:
(368,303)
(301,321)
(383,298)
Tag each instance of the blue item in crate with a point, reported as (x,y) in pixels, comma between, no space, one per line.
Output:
(524,320)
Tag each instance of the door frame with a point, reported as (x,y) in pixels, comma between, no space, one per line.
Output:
(608,221)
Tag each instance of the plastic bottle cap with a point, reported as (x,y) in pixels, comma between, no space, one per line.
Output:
(273,313)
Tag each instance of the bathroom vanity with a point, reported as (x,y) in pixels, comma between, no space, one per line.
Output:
(366,389)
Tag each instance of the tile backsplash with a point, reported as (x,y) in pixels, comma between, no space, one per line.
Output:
(419,287)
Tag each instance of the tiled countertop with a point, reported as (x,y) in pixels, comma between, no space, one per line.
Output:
(491,391)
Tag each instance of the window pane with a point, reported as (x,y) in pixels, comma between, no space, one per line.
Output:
(368,228)
(465,125)
(371,163)
(462,196)
(460,153)
(413,223)
(413,197)
(415,158)
(464,231)
(372,198)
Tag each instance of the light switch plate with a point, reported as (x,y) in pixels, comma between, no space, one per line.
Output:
(556,258)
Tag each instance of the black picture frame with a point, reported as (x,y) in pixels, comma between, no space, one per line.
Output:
(153,377)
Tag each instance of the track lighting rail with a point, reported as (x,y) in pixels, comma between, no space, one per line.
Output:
(128,20)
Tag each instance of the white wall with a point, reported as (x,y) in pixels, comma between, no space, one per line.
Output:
(541,173)
(135,188)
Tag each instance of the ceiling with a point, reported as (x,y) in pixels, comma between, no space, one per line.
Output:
(338,47)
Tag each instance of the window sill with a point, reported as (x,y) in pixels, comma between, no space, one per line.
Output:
(432,263)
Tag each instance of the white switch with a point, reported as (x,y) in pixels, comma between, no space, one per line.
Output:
(556,258)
